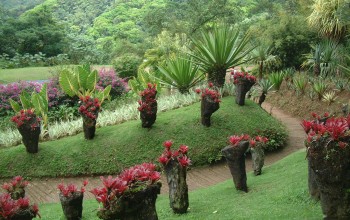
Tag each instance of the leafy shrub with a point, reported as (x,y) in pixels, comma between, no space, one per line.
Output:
(127,64)
(300,83)
(319,87)
(25,60)
(107,76)
(277,138)
(13,90)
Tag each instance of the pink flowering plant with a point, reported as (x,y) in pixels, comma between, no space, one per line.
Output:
(108,76)
(71,190)
(129,181)
(240,77)
(210,94)
(148,98)
(327,129)
(179,155)
(16,187)
(16,209)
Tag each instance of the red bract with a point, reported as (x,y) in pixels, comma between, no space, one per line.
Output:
(168,155)
(148,97)
(306,125)
(71,189)
(9,207)
(89,107)
(210,94)
(243,76)
(16,183)
(235,140)
(130,179)
(26,118)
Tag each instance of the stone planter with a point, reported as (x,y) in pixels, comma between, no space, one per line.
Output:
(72,206)
(178,189)
(30,137)
(235,157)
(25,214)
(148,118)
(89,128)
(258,158)
(331,169)
(242,88)
(208,107)
(140,205)
(314,191)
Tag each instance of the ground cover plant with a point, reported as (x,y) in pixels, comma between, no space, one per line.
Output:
(282,190)
(127,144)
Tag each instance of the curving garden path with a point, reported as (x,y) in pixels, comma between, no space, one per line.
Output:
(45,191)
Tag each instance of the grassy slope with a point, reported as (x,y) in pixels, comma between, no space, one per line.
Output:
(31,73)
(120,146)
(279,193)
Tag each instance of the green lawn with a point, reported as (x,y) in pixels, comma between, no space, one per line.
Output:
(279,193)
(117,147)
(31,73)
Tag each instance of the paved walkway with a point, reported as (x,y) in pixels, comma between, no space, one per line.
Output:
(44,190)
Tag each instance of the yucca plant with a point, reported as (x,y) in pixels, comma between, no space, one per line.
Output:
(319,87)
(180,73)
(340,84)
(329,97)
(300,83)
(264,86)
(263,57)
(313,59)
(276,79)
(217,50)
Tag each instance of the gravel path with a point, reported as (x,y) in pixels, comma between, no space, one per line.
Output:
(44,190)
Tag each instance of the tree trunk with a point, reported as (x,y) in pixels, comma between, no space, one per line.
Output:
(261,66)
(258,157)
(235,157)
(208,107)
(148,118)
(89,128)
(178,189)
(140,205)
(217,77)
(72,206)
(317,69)
(30,138)
(332,176)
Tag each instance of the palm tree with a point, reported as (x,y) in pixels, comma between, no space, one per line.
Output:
(330,18)
(263,57)
(180,73)
(218,50)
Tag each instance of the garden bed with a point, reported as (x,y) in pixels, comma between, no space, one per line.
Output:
(127,144)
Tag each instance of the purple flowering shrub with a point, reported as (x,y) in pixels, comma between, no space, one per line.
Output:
(13,90)
(108,76)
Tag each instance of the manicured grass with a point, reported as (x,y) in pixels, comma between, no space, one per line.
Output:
(117,147)
(31,73)
(279,193)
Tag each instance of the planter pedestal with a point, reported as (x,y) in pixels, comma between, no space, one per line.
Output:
(140,205)
(89,127)
(178,189)
(258,158)
(235,157)
(72,206)
(208,107)
(30,137)
(241,90)
(332,176)
(23,215)
(314,190)
(148,118)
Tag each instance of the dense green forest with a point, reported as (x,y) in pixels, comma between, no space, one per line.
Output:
(126,33)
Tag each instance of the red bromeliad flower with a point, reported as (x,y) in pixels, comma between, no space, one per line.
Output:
(9,207)
(148,97)
(235,140)
(71,189)
(16,183)
(209,93)
(130,179)
(26,118)
(180,155)
(89,107)
(258,140)
(243,76)
(333,128)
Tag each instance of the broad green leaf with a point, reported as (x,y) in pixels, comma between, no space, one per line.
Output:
(91,81)
(44,98)
(82,76)
(15,106)
(68,83)
(25,100)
